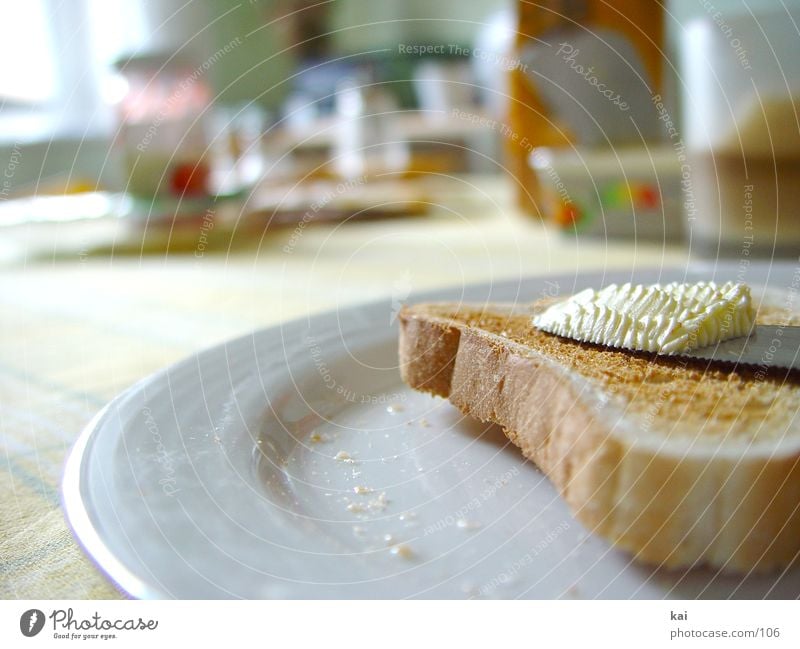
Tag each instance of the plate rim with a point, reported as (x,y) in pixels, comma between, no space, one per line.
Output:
(75,509)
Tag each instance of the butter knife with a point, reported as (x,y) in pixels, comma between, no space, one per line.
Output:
(766,346)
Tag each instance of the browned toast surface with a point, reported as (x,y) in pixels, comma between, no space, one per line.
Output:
(690,397)
(681,463)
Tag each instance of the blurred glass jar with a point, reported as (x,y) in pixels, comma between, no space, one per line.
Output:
(741,180)
(163,126)
(444,86)
(368,137)
(237,157)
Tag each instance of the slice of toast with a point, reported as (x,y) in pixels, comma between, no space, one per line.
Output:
(680,463)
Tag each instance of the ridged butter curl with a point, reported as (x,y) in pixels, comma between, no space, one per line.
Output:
(669,319)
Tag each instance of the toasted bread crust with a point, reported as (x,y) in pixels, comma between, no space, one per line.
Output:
(738,511)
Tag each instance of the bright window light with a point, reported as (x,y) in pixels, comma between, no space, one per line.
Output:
(26,48)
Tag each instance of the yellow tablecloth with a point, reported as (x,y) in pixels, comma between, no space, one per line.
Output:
(77,329)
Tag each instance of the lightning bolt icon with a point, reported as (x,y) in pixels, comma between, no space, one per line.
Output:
(32,621)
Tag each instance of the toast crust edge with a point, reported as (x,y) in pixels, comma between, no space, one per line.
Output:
(738,514)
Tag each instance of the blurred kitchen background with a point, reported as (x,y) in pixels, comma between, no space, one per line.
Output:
(478,138)
(175,173)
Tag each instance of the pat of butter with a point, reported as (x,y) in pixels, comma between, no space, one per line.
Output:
(668,319)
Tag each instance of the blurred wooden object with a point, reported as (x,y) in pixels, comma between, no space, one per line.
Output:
(326,201)
(531,123)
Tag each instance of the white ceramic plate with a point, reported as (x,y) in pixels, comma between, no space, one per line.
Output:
(219,477)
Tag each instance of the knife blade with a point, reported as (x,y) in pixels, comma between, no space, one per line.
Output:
(766,346)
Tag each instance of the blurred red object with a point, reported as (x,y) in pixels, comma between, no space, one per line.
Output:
(163,126)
